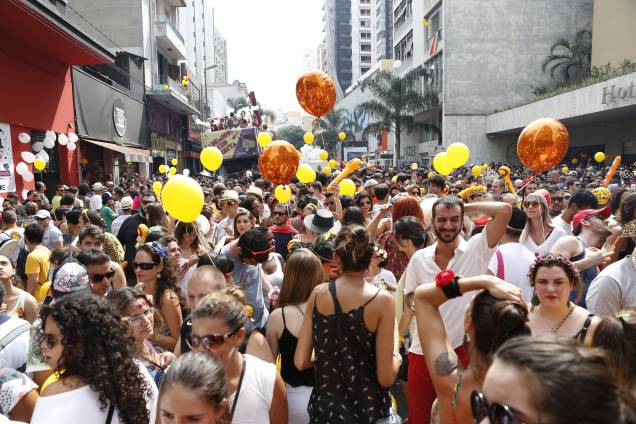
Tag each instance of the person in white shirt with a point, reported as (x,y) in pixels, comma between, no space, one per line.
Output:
(126,207)
(580,200)
(540,234)
(466,259)
(95,202)
(14,339)
(613,289)
(511,261)
(53,237)
(228,202)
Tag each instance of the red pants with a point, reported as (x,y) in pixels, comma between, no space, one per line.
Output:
(421,390)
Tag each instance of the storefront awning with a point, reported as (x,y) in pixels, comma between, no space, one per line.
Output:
(131,154)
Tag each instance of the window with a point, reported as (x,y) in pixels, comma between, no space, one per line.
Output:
(402,13)
(434,32)
(365,35)
(365,12)
(364,24)
(364,70)
(365,58)
(404,49)
(365,47)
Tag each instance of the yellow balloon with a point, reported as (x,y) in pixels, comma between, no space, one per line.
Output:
(575,161)
(162,169)
(599,156)
(282,193)
(458,154)
(326,170)
(306,174)
(172,170)
(39,164)
(324,155)
(264,139)
(156,187)
(173,162)
(394,179)
(565,169)
(477,170)
(333,164)
(182,198)
(211,158)
(342,135)
(308,138)
(441,165)
(347,187)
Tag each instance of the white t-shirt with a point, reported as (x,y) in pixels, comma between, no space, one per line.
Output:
(470,259)
(52,236)
(555,234)
(613,289)
(219,233)
(384,278)
(82,406)
(14,355)
(257,391)
(95,202)
(559,222)
(116,225)
(516,265)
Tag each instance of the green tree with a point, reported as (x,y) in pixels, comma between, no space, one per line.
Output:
(394,102)
(328,128)
(292,133)
(355,122)
(237,102)
(570,60)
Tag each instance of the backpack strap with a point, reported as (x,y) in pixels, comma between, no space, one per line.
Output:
(13,334)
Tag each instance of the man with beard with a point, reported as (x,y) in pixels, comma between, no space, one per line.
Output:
(582,249)
(556,201)
(282,229)
(467,259)
(127,235)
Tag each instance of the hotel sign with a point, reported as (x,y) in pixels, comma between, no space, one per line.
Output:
(613,93)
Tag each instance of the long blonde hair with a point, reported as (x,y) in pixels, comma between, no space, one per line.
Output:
(303,272)
(546,221)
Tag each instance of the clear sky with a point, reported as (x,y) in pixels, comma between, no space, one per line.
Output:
(266,44)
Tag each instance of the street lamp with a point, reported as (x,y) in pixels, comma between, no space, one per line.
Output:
(205,87)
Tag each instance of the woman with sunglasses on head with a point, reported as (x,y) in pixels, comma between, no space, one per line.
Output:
(157,279)
(550,380)
(554,279)
(495,314)
(303,272)
(194,390)
(86,343)
(539,234)
(256,392)
(137,312)
(350,325)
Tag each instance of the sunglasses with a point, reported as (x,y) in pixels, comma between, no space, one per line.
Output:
(135,320)
(210,341)
(146,266)
(557,199)
(275,213)
(476,196)
(365,203)
(496,413)
(532,204)
(98,278)
(51,340)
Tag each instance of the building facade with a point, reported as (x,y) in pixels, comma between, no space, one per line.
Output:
(220,57)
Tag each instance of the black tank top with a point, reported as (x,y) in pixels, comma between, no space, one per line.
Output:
(287,346)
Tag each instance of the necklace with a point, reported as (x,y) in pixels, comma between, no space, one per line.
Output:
(565,318)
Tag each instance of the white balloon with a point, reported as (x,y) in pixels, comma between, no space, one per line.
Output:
(49,135)
(38,146)
(21,168)
(203,223)
(28,157)
(186,172)
(62,139)
(49,144)
(24,138)
(71,146)
(43,155)
(72,138)
(28,176)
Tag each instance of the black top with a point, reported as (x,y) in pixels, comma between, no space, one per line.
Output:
(287,346)
(127,236)
(346,389)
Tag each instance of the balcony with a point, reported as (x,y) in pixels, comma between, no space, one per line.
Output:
(169,39)
(173,95)
(177,3)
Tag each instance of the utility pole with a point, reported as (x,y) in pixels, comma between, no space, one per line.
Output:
(205,87)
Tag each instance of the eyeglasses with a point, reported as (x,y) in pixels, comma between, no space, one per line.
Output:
(51,340)
(531,204)
(276,213)
(98,278)
(496,413)
(135,320)
(365,203)
(210,341)
(146,266)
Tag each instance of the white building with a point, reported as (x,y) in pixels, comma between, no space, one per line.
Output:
(196,21)
(310,61)
(321,54)
(220,57)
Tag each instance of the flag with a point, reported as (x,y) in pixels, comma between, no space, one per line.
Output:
(433,45)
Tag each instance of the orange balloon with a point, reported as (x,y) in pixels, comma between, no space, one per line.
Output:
(316,93)
(279,162)
(543,144)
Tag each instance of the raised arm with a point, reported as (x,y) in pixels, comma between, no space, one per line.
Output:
(499,213)
(375,228)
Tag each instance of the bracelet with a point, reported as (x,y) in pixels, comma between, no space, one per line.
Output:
(448,282)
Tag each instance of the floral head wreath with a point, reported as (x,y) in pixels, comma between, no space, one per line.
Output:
(471,190)
(157,248)
(554,260)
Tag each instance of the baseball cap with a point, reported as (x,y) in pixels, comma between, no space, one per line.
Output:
(126,202)
(584,214)
(70,277)
(43,214)
(106,196)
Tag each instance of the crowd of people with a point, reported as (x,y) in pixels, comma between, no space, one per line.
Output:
(473,298)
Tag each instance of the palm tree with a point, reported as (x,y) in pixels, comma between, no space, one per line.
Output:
(570,60)
(356,121)
(395,101)
(328,128)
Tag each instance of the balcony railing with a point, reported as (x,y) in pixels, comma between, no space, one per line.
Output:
(166,19)
(166,83)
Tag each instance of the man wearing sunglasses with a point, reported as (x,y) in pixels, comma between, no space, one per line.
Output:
(100,274)
(282,229)
(91,238)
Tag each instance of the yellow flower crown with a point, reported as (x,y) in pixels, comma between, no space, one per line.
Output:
(471,190)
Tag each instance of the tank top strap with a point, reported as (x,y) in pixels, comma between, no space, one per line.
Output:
(336,304)
(373,297)
(282,311)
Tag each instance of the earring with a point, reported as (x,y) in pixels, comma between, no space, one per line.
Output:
(158,275)
(465,338)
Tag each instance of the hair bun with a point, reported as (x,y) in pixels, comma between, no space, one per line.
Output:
(510,319)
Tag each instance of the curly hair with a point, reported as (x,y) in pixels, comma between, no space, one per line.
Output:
(552,260)
(98,348)
(167,280)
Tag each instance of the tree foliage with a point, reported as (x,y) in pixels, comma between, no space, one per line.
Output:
(570,61)
(292,133)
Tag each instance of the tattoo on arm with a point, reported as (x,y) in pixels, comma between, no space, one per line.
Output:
(445,363)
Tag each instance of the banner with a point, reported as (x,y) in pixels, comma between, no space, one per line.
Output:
(7,178)
(236,143)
